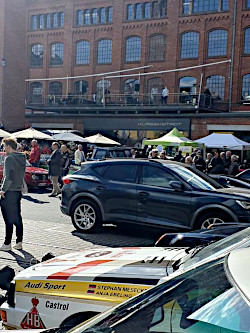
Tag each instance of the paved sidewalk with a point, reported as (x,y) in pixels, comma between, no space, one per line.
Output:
(42,237)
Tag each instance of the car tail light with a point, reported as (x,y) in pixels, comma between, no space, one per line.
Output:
(4,316)
(67,180)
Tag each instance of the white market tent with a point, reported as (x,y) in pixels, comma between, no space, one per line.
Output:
(4,134)
(70,137)
(100,139)
(226,141)
(31,133)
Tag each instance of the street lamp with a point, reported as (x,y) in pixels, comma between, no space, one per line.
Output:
(2,115)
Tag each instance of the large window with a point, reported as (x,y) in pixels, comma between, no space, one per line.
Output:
(81,87)
(33,22)
(104,51)
(103,15)
(138,11)
(82,52)
(216,85)
(36,55)
(146,10)
(157,48)
(246,87)
(61,20)
(55,88)
(56,54)
(41,21)
(79,17)
(110,14)
(190,45)
(188,85)
(130,12)
(204,6)
(131,86)
(94,13)
(133,49)
(247,41)
(86,17)
(217,43)
(55,21)
(36,91)
(47,21)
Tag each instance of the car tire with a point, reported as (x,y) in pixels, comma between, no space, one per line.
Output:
(86,216)
(206,220)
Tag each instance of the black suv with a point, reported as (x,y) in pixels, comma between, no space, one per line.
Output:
(150,192)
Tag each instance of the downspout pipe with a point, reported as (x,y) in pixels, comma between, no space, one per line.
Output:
(232,56)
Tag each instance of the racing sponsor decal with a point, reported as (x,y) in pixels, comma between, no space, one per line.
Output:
(32,319)
(98,254)
(64,275)
(57,305)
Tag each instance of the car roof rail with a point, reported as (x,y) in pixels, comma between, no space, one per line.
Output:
(155,160)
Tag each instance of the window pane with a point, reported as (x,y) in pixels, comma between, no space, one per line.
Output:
(48,21)
(217,43)
(133,49)
(55,20)
(121,173)
(247,41)
(156,177)
(190,45)
(61,20)
(102,15)
(246,87)
(87,17)
(225,5)
(81,87)
(157,48)
(55,88)
(79,17)
(138,11)
(147,10)
(36,56)
(56,57)
(202,6)
(41,21)
(82,53)
(33,22)
(104,52)
(186,6)
(130,12)
(94,16)
(216,85)
(110,14)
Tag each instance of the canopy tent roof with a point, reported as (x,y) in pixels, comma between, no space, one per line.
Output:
(4,134)
(100,139)
(31,133)
(228,141)
(70,137)
(173,138)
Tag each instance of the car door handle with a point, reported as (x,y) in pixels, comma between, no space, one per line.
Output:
(143,195)
(100,188)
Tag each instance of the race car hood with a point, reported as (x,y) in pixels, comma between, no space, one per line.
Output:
(106,265)
(32,169)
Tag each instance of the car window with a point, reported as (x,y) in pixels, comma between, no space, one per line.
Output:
(100,169)
(121,173)
(154,176)
(101,154)
(244,175)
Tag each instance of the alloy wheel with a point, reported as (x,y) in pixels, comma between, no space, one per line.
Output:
(211,220)
(85,216)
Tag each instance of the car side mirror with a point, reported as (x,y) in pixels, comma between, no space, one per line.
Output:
(176,185)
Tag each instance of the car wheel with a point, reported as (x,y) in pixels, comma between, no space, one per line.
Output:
(86,216)
(206,220)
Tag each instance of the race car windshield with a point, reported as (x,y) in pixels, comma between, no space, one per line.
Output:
(221,247)
(166,308)
(191,178)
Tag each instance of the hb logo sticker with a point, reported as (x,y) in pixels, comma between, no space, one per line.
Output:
(32,319)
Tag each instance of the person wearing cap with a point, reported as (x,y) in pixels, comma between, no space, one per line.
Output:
(55,168)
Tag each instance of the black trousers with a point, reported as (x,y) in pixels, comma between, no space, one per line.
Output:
(11,210)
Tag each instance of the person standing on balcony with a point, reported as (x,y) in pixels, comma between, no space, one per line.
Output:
(164,95)
(35,154)
(154,95)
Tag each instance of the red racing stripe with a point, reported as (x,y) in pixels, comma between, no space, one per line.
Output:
(64,275)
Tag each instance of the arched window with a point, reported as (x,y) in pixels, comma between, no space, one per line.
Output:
(94,15)
(103,15)
(190,45)
(247,41)
(157,48)
(81,87)
(188,84)
(155,82)
(79,17)
(104,51)
(99,84)
(82,52)
(216,85)
(36,55)
(133,49)
(56,54)
(246,87)
(55,88)
(217,43)
(36,92)
(131,86)
(87,17)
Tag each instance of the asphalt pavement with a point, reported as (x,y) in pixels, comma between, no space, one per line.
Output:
(46,229)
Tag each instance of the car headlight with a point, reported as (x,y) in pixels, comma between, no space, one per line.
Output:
(35,177)
(244,204)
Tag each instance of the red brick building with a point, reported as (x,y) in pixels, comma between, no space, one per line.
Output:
(81,38)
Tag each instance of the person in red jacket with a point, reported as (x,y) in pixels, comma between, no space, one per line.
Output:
(34,157)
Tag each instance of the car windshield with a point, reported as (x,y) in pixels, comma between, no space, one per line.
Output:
(169,306)
(223,246)
(191,178)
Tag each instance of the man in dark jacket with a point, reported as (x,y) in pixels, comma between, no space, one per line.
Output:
(199,163)
(55,168)
(11,193)
(67,160)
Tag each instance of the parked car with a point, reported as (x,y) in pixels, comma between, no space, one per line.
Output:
(200,237)
(227,181)
(149,192)
(66,290)
(109,152)
(34,177)
(244,175)
(188,302)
